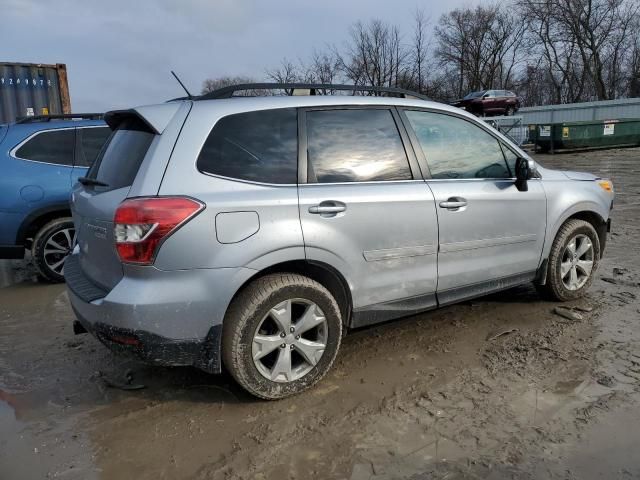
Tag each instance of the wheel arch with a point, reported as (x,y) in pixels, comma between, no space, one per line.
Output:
(38,218)
(590,213)
(323,273)
(598,223)
(590,216)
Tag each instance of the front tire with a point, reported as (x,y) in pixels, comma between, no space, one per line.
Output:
(281,335)
(51,246)
(573,261)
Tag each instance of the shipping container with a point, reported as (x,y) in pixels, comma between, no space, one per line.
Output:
(28,89)
(575,135)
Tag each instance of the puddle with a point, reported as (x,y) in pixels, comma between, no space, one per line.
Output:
(32,448)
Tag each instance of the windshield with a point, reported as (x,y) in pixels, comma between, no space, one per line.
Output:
(474,94)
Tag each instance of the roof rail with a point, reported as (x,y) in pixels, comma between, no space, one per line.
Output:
(66,116)
(313,88)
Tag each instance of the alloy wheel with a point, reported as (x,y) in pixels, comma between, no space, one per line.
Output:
(57,247)
(289,340)
(577,262)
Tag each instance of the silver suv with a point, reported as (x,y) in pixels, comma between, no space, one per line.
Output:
(251,232)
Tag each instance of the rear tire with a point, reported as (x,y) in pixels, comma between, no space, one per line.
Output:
(573,261)
(51,246)
(509,111)
(255,329)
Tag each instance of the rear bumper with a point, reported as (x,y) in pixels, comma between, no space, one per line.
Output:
(157,350)
(162,317)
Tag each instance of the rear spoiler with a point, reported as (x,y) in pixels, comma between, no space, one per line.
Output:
(156,117)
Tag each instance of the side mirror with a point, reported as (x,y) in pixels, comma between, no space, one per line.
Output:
(523,173)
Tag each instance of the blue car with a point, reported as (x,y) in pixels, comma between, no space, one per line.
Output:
(40,160)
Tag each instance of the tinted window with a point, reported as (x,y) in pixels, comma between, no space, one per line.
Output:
(456,148)
(91,142)
(259,146)
(55,146)
(120,160)
(355,146)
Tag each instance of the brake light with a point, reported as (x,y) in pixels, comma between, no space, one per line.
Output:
(142,224)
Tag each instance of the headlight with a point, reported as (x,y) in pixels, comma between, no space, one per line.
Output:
(606,185)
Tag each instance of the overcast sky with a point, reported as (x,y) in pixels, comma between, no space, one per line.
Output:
(119,52)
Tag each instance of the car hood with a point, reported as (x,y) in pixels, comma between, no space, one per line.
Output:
(583,176)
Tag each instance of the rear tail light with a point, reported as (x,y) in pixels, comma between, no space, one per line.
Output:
(142,224)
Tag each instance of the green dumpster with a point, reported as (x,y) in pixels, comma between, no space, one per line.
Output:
(589,134)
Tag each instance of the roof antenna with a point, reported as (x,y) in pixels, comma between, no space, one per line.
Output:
(189,96)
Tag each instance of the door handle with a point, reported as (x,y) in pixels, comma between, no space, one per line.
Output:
(328,208)
(453,203)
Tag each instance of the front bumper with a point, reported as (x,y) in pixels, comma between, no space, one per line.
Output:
(165,318)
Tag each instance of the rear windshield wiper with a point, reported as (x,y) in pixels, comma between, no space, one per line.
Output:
(92,181)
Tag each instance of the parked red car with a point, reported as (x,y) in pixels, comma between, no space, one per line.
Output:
(490,102)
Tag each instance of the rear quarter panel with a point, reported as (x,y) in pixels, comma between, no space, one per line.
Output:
(197,244)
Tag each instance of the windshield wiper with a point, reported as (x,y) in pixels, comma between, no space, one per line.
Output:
(92,181)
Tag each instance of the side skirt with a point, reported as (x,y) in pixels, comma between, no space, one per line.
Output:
(382,312)
(467,292)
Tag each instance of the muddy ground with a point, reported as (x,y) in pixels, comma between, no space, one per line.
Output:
(499,388)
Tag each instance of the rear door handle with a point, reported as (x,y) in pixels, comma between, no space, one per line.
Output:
(453,203)
(328,208)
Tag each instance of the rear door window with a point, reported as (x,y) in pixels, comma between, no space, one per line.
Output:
(354,145)
(119,161)
(90,142)
(52,146)
(259,146)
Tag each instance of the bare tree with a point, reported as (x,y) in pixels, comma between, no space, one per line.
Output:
(549,51)
(287,72)
(420,49)
(480,48)
(374,55)
(585,44)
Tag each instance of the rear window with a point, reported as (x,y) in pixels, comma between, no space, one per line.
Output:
(53,146)
(91,140)
(259,146)
(120,159)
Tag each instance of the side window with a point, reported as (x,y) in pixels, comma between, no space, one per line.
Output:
(511,158)
(355,146)
(259,146)
(53,146)
(90,142)
(456,148)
